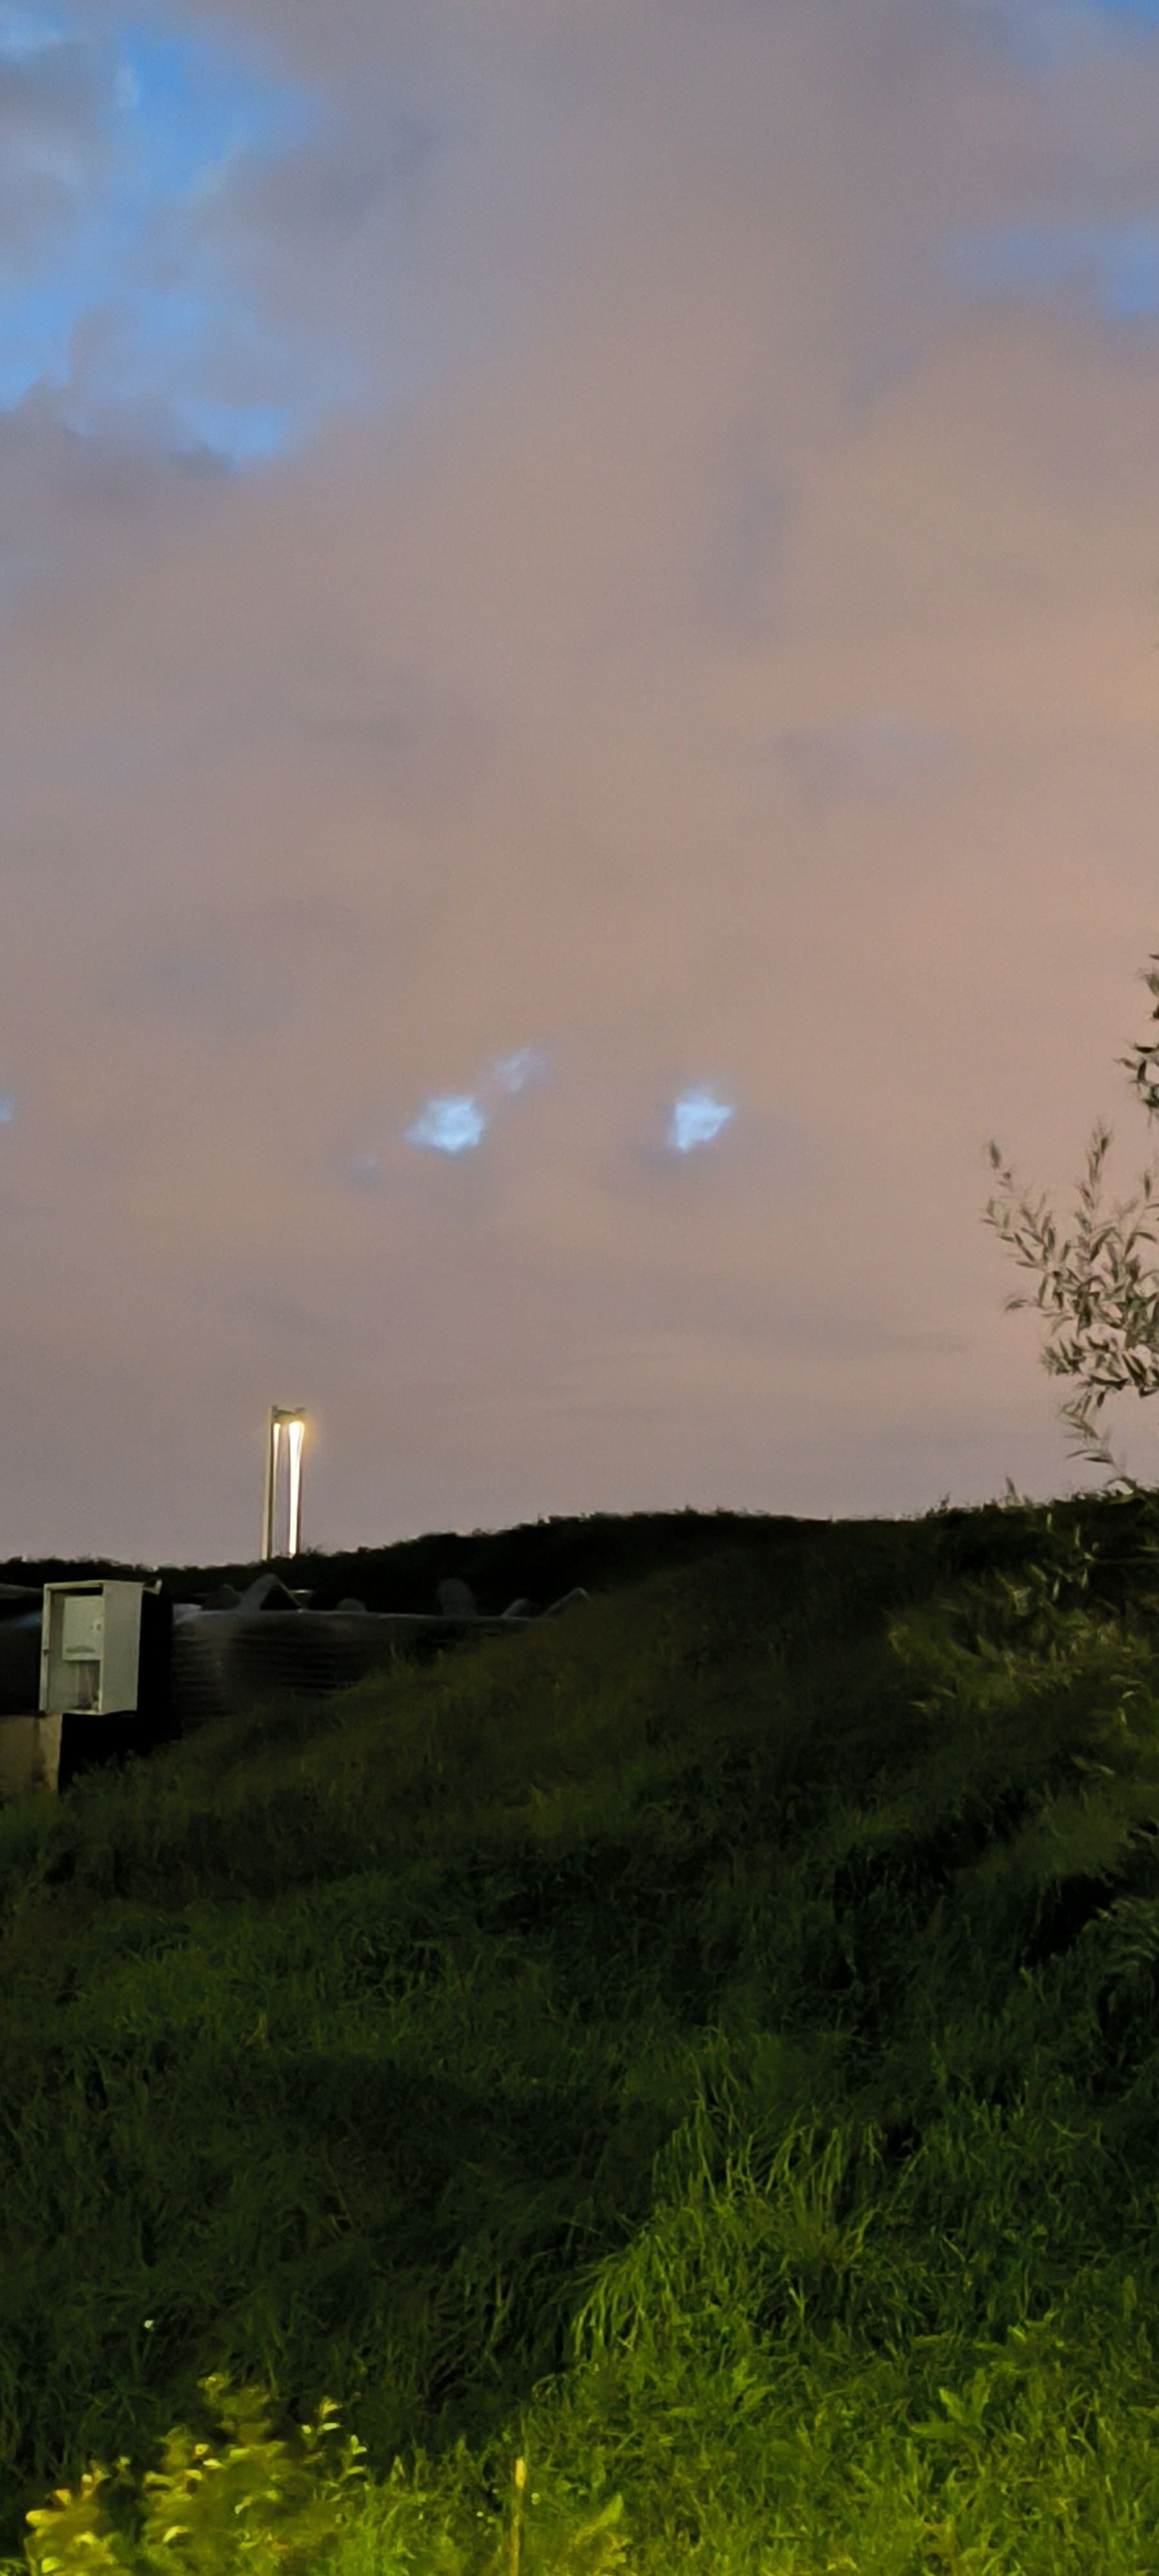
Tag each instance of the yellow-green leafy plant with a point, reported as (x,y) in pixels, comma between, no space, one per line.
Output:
(250,2504)
(243,2500)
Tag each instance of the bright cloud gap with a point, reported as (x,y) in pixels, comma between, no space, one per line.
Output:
(456,1122)
(450,1126)
(696,1119)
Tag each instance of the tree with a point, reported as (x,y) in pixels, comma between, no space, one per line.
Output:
(1102,1303)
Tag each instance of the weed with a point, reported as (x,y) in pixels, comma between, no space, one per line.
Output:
(686,2077)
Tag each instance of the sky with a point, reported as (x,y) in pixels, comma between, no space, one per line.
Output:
(579,728)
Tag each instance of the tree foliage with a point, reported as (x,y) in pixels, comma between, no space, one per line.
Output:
(1101,1298)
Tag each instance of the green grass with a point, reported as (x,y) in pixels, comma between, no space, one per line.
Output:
(705,2047)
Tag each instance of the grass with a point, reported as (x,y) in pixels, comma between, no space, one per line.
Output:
(704,2049)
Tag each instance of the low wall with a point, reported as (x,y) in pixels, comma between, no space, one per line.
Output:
(29,1754)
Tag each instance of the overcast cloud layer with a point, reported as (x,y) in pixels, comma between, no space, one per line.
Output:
(579,603)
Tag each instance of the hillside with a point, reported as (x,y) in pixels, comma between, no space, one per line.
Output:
(707,2042)
(539,1559)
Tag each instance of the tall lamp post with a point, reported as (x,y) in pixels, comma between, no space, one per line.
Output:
(286,1434)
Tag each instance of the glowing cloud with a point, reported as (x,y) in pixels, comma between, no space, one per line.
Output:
(449,1126)
(125,293)
(696,1119)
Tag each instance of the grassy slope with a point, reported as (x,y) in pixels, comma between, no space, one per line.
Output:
(713,2035)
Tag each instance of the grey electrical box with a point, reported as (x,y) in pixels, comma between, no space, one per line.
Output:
(90,1650)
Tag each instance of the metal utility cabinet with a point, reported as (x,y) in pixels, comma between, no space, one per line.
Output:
(90,1650)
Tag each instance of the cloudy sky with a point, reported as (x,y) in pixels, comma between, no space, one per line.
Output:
(579,615)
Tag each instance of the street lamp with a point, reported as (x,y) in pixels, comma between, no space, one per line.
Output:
(287,1431)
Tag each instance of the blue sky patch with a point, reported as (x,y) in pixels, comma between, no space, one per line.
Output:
(696,1119)
(450,1126)
(124,290)
(515,1072)
(1114,265)
(1050,36)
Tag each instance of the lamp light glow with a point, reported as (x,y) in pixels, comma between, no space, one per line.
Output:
(284,1443)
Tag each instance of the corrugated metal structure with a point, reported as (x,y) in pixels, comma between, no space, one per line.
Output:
(235,1651)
